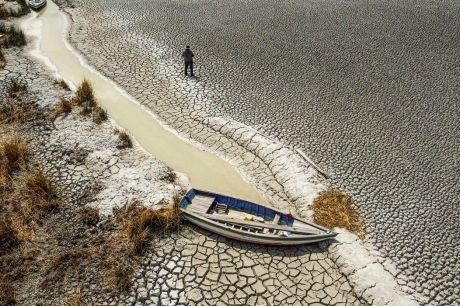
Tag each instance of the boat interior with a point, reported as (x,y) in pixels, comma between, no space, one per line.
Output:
(246,216)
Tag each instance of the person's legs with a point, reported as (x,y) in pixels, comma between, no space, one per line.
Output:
(191,68)
(186,66)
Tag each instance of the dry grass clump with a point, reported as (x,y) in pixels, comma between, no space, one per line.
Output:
(139,223)
(8,236)
(12,113)
(38,192)
(13,155)
(120,274)
(125,140)
(75,299)
(63,107)
(99,115)
(62,84)
(334,208)
(89,215)
(84,96)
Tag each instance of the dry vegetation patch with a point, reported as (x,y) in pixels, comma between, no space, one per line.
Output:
(125,140)
(63,107)
(12,113)
(334,208)
(84,96)
(99,115)
(89,215)
(13,37)
(75,299)
(13,155)
(139,224)
(37,192)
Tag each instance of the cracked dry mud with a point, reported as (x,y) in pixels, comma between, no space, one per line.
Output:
(369,89)
(190,267)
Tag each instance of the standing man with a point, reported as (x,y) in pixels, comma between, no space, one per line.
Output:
(188,59)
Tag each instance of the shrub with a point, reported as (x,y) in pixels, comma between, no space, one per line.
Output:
(89,215)
(84,96)
(125,140)
(64,107)
(99,115)
(334,208)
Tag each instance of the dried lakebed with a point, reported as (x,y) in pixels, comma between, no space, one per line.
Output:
(288,190)
(367,89)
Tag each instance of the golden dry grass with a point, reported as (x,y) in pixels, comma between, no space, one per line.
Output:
(12,113)
(334,208)
(14,153)
(75,299)
(63,107)
(89,215)
(37,193)
(84,96)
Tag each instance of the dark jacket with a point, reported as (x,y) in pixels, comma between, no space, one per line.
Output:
(187,55)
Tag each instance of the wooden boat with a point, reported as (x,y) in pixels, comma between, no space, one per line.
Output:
(37,4)
(242,220)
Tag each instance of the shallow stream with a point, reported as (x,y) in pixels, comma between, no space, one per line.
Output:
(203,169)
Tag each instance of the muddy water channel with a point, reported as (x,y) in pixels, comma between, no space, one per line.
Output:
(203,169)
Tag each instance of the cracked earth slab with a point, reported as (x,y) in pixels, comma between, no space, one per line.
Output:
(374,102)
(191,267)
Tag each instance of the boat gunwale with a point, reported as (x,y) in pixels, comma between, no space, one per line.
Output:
(325,229)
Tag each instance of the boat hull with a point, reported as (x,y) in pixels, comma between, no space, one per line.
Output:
(225,231)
